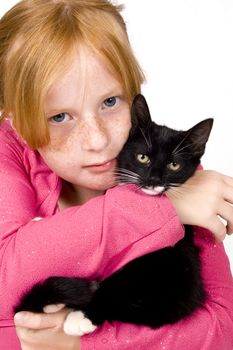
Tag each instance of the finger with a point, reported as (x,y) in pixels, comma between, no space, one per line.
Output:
(46,339)
(228,180)
(228,194)
(53,308)
(217,227)
(32,320)
(39,321)
(226,213)
(229,227)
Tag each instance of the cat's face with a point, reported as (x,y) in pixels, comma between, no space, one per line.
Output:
(156,157)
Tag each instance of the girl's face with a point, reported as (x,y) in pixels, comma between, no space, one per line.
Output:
(89,122)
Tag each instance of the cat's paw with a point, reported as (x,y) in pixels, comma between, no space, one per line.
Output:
(77,324)
(37,218)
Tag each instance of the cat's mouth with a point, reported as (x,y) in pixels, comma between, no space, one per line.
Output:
(153,190)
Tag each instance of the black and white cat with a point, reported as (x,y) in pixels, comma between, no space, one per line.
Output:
(159,288)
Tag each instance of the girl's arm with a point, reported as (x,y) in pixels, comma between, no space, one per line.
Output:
(210,328)
(92,240)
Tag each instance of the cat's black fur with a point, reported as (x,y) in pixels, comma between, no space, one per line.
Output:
(158,288)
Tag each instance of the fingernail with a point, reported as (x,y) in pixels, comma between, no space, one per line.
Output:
(21,317)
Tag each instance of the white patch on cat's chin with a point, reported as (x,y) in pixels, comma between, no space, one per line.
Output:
(152,191)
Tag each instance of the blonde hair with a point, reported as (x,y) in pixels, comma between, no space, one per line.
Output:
(37,39)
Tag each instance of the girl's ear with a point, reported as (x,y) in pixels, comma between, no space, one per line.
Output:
(140,113)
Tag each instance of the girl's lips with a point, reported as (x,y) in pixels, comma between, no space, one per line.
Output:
(100,168)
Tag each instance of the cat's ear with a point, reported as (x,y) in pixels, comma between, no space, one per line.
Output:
(198,136)
(140,114)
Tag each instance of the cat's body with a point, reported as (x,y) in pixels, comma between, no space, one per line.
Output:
(161,287)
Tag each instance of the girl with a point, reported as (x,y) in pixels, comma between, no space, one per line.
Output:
(68,76)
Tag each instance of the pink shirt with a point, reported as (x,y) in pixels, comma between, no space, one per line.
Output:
(94,240)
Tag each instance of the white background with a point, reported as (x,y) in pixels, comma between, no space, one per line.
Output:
(185,49)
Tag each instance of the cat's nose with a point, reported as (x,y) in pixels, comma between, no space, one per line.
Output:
(154,181)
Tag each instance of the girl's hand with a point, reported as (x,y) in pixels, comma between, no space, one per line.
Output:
(206,200)
(44,331)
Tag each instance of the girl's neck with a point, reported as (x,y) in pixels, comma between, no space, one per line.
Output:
(71,195)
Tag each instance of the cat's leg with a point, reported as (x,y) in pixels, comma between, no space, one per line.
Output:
(55,293)
(75,293)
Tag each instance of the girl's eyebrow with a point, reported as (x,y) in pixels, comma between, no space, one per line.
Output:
(53,110)
(49,112)
(112,94)
(116,90)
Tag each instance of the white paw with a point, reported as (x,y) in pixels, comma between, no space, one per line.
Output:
(77,324)
(37,218)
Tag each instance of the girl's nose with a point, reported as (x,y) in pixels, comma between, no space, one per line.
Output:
(94,135)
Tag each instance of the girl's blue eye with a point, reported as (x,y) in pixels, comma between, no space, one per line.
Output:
(110,102)
(59,118)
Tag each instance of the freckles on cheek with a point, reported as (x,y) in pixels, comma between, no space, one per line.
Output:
(124,130)
(59,142)
(56,145)
(54,153)
(123,126)
(63,138)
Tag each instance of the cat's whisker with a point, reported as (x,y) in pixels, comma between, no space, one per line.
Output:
(186,188)
(127,176)
(130,173)
(148,140)
(127,179)
(139,188)
(180,143)
(171,185)
(124,175)
(179,151)
(174,192)
(182,153)
(126,171)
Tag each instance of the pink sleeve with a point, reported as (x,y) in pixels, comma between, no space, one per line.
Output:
(92,240)
(211,328)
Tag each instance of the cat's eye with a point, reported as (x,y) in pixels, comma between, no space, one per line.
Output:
(173,166)
(143,159)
